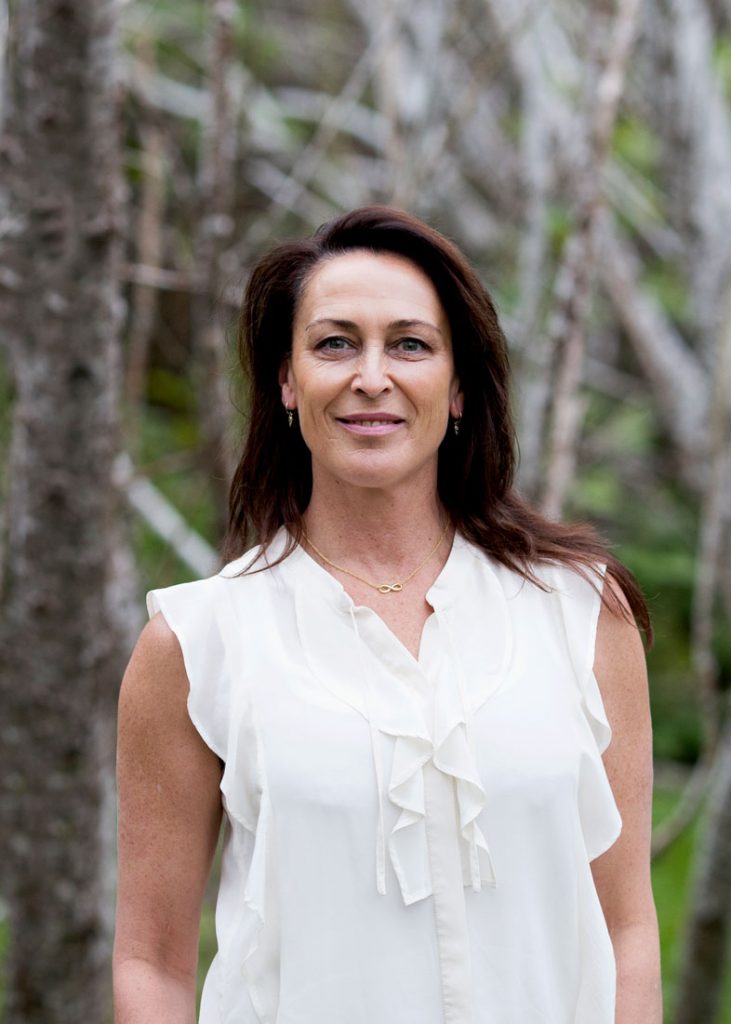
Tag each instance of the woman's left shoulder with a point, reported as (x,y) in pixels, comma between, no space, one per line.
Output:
(619,651)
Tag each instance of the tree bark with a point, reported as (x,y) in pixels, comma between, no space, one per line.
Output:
(707,936)
(59,647)
(215,229)
(702,973)
(148,250)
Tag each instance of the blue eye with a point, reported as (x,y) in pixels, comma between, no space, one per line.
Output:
(412,345)
(334,344)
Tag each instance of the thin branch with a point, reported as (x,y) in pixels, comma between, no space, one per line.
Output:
(163,279)
(164,519)
(679,384)
(161,92)
(335,115)
(575,276)
(686,809)
(713,507)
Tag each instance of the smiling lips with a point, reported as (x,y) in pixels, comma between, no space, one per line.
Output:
(370,423)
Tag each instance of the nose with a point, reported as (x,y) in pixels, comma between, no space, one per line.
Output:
(371,377)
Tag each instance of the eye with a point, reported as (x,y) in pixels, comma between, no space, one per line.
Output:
(335,343)
(412,345)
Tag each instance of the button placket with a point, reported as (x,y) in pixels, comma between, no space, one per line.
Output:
(448,895)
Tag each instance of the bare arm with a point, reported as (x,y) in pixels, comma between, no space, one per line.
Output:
(622,874)
(169,817)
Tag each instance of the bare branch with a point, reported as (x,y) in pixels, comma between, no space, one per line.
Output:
(335,115)
(713,509)
(164,519)
(679,383)
(567,330)
(684,813)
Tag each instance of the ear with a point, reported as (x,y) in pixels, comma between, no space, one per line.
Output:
(286,383)
(456,405)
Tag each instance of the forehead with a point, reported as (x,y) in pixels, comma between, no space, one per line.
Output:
(380,285)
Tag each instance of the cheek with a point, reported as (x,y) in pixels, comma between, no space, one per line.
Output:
(316,393)
(316,396)
(440,399)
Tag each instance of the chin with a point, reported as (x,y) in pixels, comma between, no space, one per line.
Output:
(380,473)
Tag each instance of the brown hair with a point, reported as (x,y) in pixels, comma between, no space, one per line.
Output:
(273,480)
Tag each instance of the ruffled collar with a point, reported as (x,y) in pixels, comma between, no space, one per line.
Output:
(425,704)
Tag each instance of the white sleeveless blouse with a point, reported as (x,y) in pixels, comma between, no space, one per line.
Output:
(406,841)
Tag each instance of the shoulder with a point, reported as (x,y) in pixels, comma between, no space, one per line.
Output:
(158,677)
(619,658)
(173,686)
(557,588)
(194,593)
(192,605)
(158,650)
(192,654)
(618,635)
(155,686)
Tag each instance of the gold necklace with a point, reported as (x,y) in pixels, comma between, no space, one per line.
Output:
(382,588)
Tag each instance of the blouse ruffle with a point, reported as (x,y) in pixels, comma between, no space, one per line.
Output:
(580,606)
(427,714)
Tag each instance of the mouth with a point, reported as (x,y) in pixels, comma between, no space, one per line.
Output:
(370,423)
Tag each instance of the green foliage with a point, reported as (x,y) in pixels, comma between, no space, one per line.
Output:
(672,884)
(722,61)
(176,29)
(173,391)
(635,143)
(652,524)
(260,48)
(299,130)
(596,494)
(169,456)
(559,225)
(666,283)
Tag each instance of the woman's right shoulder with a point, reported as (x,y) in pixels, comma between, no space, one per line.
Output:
(166,666)
(194,635)
(157,653)
(158,640)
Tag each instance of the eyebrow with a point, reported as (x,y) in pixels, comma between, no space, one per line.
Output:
(350,325)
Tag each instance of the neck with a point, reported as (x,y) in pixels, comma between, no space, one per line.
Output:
(377,528)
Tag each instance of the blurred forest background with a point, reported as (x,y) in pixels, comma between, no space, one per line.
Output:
(578,150)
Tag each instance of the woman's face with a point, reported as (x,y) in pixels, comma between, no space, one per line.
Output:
(371,372)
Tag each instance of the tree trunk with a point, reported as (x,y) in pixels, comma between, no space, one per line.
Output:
(702,974)
(215,227)
(59,647)
(148,253)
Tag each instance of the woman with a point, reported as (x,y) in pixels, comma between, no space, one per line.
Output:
(400,698)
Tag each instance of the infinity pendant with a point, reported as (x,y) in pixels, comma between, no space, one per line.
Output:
(390,588)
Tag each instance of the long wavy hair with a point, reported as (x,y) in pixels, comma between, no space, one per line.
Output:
(272,483)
